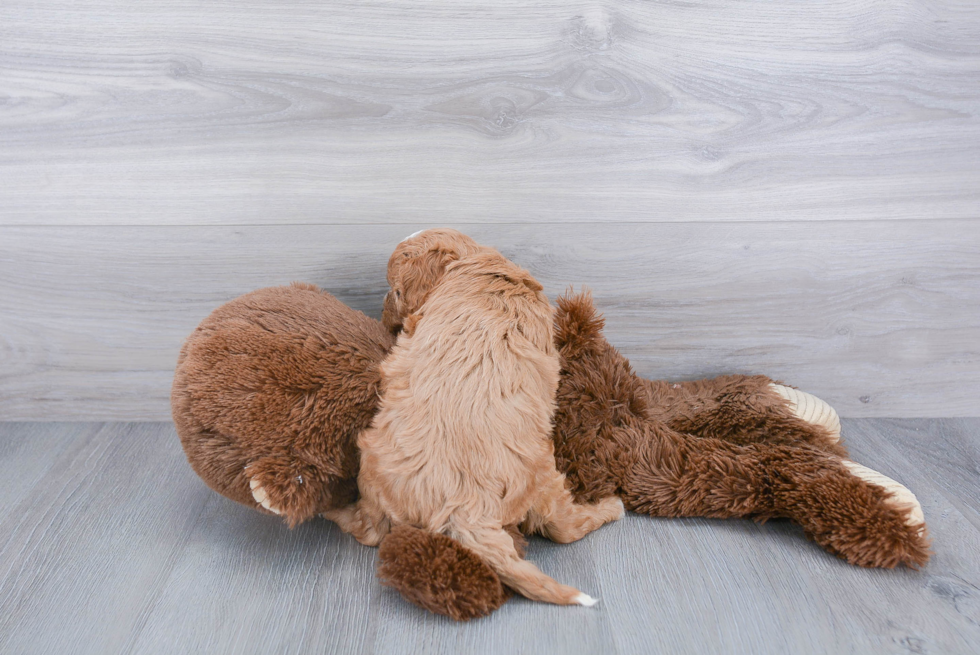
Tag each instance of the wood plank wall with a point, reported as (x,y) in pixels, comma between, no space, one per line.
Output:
(776,187)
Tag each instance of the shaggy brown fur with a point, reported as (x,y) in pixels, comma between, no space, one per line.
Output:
(724,447)
(461,444)
(441,575)
(610,440)
(740,409)
(280,381)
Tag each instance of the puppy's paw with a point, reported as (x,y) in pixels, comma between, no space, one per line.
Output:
(811,409)
(899,496)
(614,508)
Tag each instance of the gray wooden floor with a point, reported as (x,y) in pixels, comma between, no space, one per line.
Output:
(110,544)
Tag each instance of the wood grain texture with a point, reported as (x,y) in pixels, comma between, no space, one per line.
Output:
(26,458)
(251,112)
(951,462)
(88,547)
(111,544)
(876,321)
(911,607)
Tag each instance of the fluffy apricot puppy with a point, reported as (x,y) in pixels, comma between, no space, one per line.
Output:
(461,445)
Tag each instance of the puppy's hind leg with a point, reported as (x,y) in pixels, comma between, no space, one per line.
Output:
(497,549)
(558,517)
(365,520)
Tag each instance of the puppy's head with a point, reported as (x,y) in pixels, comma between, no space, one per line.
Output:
(416,267)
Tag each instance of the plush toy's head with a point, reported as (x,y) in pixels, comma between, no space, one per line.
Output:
(416,267)
(273,388)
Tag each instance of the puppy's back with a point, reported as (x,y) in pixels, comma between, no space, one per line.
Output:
(473,389)
(462,445)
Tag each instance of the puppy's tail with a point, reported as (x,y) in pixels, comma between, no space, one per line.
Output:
(497,549)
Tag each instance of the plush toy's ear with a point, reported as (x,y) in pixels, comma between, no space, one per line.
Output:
(578,324)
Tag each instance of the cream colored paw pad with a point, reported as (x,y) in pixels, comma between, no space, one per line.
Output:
(900,496)
(261,497)
(811,409)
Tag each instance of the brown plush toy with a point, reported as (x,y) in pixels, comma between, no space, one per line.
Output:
(271,390)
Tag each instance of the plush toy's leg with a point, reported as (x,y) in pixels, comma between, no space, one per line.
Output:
(810,409)
(728,447)
(746,409)
(863,517)
(900,496)
(558,517)
(292,488)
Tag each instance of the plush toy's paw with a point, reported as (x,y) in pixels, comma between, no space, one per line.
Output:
(286,487)
(811,409)
(261,497)
(899,496)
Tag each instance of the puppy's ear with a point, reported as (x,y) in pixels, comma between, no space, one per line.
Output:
(531,283)
(420,274)
(524,278)
(390,316)
(408,325)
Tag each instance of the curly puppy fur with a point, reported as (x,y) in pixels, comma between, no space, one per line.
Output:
(461,445)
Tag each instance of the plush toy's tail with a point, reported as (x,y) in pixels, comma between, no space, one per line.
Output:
(497,549)
(443,576)
(438,574)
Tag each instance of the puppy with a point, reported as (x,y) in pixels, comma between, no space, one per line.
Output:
(461,444)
